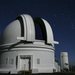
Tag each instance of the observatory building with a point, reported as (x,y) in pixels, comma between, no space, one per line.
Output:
(22,50)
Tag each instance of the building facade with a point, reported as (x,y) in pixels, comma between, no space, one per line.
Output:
(22,50)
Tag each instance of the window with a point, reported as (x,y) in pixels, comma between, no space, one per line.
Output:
(11,61)
(16,61)
(38,61)
(6,60)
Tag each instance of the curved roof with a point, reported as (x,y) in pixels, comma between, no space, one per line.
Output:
(28,27)
(49,32)
(12,31)
(23,28)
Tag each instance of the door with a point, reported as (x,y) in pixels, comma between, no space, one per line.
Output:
(25,63)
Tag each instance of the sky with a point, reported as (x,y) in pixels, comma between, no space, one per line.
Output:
(59,13)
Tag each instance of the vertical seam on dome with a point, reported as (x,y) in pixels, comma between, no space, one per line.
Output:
(22,25)
(26,25)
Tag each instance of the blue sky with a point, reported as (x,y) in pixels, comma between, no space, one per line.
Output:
(59,13)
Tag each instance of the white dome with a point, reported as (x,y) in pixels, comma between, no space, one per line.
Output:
(12,31)
(23,28)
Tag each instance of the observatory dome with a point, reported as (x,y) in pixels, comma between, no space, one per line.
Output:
(28,46)
(23,29)
(11,32)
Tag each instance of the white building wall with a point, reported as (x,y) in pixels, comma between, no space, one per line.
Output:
(42,61)
(8,59)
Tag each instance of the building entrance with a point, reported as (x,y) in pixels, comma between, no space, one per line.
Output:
(25,63)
